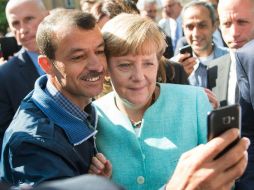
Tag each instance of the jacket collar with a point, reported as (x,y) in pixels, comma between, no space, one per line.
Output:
(76,130)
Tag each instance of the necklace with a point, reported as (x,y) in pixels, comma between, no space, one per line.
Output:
(137,124)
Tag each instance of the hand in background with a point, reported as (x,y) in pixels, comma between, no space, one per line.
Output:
(186,61)
(212,98)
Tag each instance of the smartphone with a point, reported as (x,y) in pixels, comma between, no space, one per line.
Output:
(222,119)
(186,49)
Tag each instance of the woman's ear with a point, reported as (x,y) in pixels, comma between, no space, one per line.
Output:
(44,63)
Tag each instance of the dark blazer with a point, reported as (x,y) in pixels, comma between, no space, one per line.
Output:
(245,75)
(17,78)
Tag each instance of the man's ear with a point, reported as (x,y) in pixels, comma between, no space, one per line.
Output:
(107,73)
(44,63)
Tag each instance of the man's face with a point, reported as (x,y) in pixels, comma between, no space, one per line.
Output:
(172,8)
(23,21)
(80,63)
(150,11)
(236,22)
(198,29)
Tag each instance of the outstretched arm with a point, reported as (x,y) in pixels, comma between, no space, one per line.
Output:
(197,168)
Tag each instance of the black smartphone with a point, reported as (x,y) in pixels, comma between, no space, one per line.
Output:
(9,46)
(186,49)
(222,119)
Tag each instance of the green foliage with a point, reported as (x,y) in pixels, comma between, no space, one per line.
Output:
(3,21)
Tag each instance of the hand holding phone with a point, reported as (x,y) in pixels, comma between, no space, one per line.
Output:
(222,119)
(186,49)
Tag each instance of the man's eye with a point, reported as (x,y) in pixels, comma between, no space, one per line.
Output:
(227,24)
(15,23)
(242,22)
(100,52)
(202,26)
(189,27)
(76,58)
(29,19)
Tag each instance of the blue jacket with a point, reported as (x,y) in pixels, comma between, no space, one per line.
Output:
(44,142)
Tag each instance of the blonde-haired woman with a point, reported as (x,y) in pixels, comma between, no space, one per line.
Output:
(144,127)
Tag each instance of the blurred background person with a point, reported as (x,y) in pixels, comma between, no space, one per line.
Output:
(99,14)
(199,23)
(217,36)
(18,75)
(86,5)
(150,9)
(171,24)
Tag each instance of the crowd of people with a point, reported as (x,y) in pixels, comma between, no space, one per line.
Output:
(102,98)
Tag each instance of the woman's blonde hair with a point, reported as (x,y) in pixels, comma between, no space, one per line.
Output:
(132,34)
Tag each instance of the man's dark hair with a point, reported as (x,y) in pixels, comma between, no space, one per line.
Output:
(207,5)
(46,34)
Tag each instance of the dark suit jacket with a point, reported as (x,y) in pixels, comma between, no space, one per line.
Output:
(245,75)
(17,78)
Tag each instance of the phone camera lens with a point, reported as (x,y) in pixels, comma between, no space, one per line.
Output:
(227,120)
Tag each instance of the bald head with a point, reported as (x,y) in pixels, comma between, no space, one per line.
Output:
(16,3)
(236,21)
(23,17)
(172,8)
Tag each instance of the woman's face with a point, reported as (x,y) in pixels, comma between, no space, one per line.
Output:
(134,78)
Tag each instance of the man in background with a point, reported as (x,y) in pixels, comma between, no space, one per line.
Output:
(237,27)
(172,23)
(199,23)
(18,75)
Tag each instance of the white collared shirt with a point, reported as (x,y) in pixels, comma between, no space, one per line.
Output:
(204,61)
(232,80)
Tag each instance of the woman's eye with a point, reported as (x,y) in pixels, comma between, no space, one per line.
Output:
(149,63)
(124,65)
